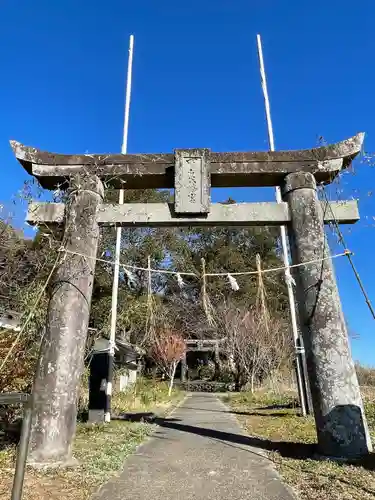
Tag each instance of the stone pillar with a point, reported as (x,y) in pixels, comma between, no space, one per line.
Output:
(183,369)
(217,361)
(62,352)
(340,421)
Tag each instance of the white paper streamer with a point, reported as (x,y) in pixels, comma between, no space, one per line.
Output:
(131,277)
(233,283)
(112,345)
(180,281)
(289,278)
(62,249)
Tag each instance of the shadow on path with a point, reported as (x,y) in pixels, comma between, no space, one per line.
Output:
(244,413)
(299,451)
(286,449)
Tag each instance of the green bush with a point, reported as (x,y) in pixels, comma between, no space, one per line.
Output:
(370,413)
(206,372)
(142,396)
(366,375)
(265,399)
(226,376)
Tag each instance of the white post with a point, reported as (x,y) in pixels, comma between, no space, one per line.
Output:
(284,244)
(112,338)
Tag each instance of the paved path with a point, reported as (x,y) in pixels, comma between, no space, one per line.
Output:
(199,452)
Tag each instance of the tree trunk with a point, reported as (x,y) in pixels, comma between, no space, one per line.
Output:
(172,379)
(252,381)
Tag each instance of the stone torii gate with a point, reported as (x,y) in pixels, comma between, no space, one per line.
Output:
(338,409)
(201,345)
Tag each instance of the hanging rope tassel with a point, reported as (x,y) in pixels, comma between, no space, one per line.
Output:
(150,318)
(261,303)
(207,306)
(233,283)
(149,291)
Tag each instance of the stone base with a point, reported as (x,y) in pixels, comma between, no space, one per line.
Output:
(96,416)
(339,460)
(63,464)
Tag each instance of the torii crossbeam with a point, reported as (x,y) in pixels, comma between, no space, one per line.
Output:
(132,171)
(192,173)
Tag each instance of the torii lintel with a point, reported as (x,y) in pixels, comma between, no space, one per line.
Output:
(229,169)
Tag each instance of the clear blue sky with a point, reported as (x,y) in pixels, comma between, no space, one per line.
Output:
(196,84)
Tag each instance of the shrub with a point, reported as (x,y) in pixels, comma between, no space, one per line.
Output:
(206,372)
(366,375)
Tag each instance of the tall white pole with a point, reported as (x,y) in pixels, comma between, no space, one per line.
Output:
(284,244)
(124,148)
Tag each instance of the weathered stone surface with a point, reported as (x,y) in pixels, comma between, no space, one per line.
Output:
(61,359)
(192,181)
(340,420)
(346,148)
(163,214)
(157,170)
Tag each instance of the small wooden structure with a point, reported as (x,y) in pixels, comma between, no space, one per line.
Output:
(339,415)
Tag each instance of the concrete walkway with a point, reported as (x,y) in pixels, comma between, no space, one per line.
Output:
(199,452)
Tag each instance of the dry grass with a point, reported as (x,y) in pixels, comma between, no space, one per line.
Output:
(100,449)
(283,430)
